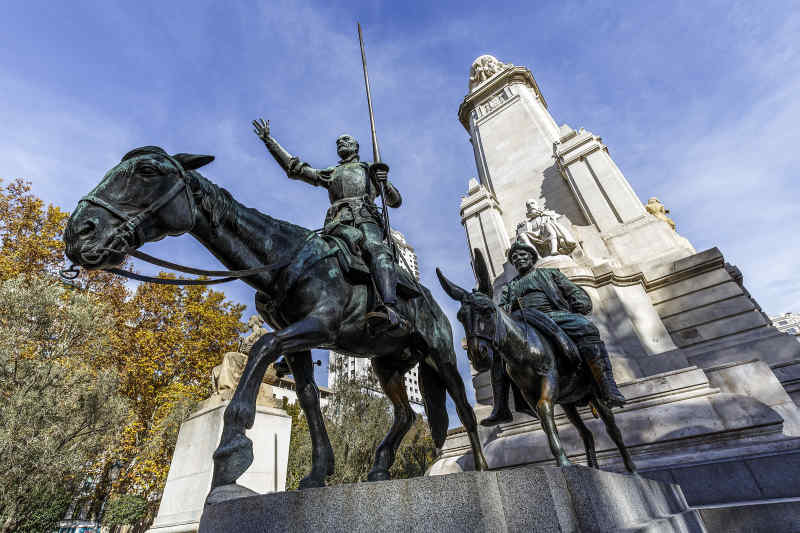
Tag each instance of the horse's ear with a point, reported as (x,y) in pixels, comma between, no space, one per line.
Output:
(454,291)
(193,161)
(482,274)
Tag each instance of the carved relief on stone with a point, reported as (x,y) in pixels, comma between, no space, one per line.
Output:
(657,209)
(483,68)
(542,230)
(495,101)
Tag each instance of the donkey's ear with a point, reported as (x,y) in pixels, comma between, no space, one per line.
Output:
(454,291)
(193,161)
(482,274)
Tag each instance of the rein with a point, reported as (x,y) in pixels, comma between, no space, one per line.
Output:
(130,233)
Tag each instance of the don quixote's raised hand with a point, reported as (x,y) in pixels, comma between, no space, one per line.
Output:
(261,128)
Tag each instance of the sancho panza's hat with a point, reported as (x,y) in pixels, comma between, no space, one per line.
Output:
(522,245)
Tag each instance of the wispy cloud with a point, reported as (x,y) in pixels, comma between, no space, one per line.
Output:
(696,103)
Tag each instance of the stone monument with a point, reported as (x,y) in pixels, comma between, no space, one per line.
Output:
(189,478)
(704,372)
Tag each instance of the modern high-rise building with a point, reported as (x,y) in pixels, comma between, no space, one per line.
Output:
(360,366)
(787,323)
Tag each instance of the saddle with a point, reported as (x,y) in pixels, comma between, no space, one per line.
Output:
(317,248)
(565,347)
(345,247)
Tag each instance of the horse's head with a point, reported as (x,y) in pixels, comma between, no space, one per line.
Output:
(478,314)
(146,197)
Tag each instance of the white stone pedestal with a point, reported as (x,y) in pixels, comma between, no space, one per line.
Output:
(189,478)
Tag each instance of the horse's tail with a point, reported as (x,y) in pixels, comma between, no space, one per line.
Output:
(433,395)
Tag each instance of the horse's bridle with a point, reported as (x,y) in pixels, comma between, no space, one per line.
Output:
(130,233)
(130,230)
(493,341)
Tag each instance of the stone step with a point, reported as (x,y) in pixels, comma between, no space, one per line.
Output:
(780,516)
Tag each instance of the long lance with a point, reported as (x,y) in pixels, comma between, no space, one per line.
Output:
(376,152)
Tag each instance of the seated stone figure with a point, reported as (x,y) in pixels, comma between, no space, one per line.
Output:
(551,292)
(226,375)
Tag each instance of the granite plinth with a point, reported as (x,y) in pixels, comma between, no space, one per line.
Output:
(530,498)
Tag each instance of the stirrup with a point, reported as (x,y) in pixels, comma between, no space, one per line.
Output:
(384,319)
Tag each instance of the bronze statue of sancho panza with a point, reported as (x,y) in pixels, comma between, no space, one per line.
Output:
(551,292)
(353,185)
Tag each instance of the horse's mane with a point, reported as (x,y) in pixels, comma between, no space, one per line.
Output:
(215,201)
(224,209)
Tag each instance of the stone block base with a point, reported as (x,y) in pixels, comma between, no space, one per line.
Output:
(530,498)
(189,478)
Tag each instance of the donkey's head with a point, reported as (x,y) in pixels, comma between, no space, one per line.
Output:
(146,197)
(478,314)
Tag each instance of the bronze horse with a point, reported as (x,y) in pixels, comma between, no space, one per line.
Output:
(302,292)
(543,376)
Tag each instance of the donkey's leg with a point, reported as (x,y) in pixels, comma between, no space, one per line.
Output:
(616,435)
(588,439)
(235,451)
(455,386)
(308,396)
(548,393)
(391,379)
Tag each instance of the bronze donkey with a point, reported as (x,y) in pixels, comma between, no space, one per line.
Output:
(543,375)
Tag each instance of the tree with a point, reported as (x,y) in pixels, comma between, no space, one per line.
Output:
(124,510)
(60,409)
(357,418)
(30,234)
(162,340)
(166,341)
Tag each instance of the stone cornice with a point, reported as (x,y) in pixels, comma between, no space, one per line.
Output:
(686,268)
(492,85)
(478,201)
(578,147)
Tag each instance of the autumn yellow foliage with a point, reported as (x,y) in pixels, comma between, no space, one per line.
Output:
(165,341)
(30,233)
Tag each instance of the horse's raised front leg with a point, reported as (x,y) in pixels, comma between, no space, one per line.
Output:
(234,455)
(455,386)
(616,435)
(308,396)
(544,406)
(391,379)
(588,439)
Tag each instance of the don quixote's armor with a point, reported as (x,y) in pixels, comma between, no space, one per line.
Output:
(353,186)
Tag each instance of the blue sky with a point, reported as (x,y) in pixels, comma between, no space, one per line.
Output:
(697,102)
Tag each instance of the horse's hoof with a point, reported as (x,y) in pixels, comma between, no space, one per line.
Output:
(231,491)
(378,475)
(309,482)
(238,443)
(565,462)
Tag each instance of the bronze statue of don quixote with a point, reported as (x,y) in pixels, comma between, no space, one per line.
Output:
(339,289)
